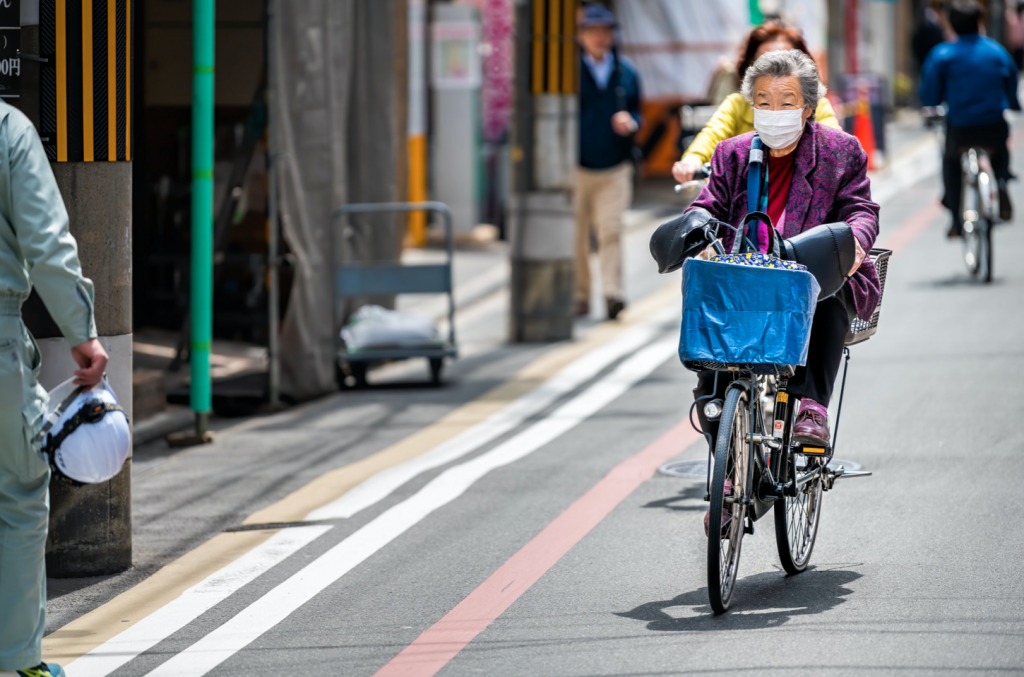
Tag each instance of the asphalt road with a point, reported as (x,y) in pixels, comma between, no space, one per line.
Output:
(539,541)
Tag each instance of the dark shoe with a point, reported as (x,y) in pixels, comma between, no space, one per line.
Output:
(581,308)
(811,428)
(615,306)
(956,229)
(1005,206)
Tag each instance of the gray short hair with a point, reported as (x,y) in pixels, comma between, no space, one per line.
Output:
(782,63)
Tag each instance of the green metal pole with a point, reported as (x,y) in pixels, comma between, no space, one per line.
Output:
(756,15)
(203,13)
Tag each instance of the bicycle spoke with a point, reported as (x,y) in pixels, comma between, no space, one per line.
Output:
(728,492)
(801,520)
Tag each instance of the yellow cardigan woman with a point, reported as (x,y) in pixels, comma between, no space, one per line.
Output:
(735,116)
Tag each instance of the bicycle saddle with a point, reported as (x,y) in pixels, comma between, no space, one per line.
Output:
(679,239)
(828,251)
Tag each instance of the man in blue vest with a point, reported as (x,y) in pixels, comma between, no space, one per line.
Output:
(609,117)
(977,80)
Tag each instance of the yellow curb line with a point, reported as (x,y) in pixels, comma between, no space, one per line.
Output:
(101,624)
(332,485)
(87,632)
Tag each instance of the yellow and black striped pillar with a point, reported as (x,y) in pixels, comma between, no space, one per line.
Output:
(85,123)
(85,103)
(554,56)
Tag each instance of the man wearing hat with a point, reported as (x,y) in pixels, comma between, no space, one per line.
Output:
(36,250)
(609,117)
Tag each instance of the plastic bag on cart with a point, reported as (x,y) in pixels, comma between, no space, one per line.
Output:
(374,327)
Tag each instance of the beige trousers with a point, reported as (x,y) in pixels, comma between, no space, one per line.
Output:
(602,196)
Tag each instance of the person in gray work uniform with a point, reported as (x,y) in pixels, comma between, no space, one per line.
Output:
(36,250)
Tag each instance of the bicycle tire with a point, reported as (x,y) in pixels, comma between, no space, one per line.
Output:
(985,249)
(796,527)
(732,461)
(971,203)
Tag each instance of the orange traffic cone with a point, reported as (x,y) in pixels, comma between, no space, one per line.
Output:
(863,129)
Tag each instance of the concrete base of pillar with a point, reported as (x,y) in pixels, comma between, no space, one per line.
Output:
(90,526)
(542,269)
(541,301)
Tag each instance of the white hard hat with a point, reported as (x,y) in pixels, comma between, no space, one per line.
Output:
(86,434)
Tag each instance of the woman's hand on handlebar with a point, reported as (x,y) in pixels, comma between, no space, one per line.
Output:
(707,253)
(685,169)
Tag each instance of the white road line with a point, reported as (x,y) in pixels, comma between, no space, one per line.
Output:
(907,171)
(266,612)
(194,602)
(381,485)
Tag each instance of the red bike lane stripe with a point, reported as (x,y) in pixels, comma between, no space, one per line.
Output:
(440,643)
(914,227)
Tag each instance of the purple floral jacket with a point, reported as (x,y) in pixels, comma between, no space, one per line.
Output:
(830,184)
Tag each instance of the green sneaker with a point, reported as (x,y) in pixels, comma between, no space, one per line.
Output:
(42,670)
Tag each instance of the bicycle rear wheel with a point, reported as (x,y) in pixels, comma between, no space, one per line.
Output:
(977,230)
(796,517)
(972,214)
(728,491)
(985,264)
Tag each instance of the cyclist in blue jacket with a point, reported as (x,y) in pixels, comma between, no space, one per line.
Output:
(977,80)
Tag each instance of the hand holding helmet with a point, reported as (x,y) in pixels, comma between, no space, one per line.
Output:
(86,435)
(92,359)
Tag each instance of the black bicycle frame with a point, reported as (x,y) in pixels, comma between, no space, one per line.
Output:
(772,471)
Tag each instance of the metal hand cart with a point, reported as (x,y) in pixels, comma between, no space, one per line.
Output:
(376,278)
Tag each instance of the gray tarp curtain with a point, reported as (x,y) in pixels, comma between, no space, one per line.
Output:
(334,125)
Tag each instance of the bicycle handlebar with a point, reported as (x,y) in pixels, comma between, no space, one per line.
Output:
(933,115)
(699,177)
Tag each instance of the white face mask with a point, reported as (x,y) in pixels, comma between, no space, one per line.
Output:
(778,128)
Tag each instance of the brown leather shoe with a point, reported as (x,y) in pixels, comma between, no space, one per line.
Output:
(811,428)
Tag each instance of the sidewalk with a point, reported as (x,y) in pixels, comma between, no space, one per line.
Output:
(479,271)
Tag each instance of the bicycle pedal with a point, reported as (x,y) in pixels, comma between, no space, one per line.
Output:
(748,526)
(825,452)
(707,498)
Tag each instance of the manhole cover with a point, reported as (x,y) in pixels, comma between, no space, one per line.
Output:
(687,469)
(699,469)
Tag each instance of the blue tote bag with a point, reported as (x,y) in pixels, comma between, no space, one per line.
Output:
(748,307)
(746,314)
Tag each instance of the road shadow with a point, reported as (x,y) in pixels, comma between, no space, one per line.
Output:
(690,499)
(761,601)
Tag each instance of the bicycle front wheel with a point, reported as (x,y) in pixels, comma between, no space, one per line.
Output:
(728,499)
(796,517)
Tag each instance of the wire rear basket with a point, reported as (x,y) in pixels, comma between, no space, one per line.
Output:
(860,330)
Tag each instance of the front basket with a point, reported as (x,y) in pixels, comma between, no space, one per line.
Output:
(860,330)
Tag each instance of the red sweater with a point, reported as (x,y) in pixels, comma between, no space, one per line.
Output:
(780,177)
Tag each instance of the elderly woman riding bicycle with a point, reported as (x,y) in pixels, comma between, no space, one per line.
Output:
(816,175)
